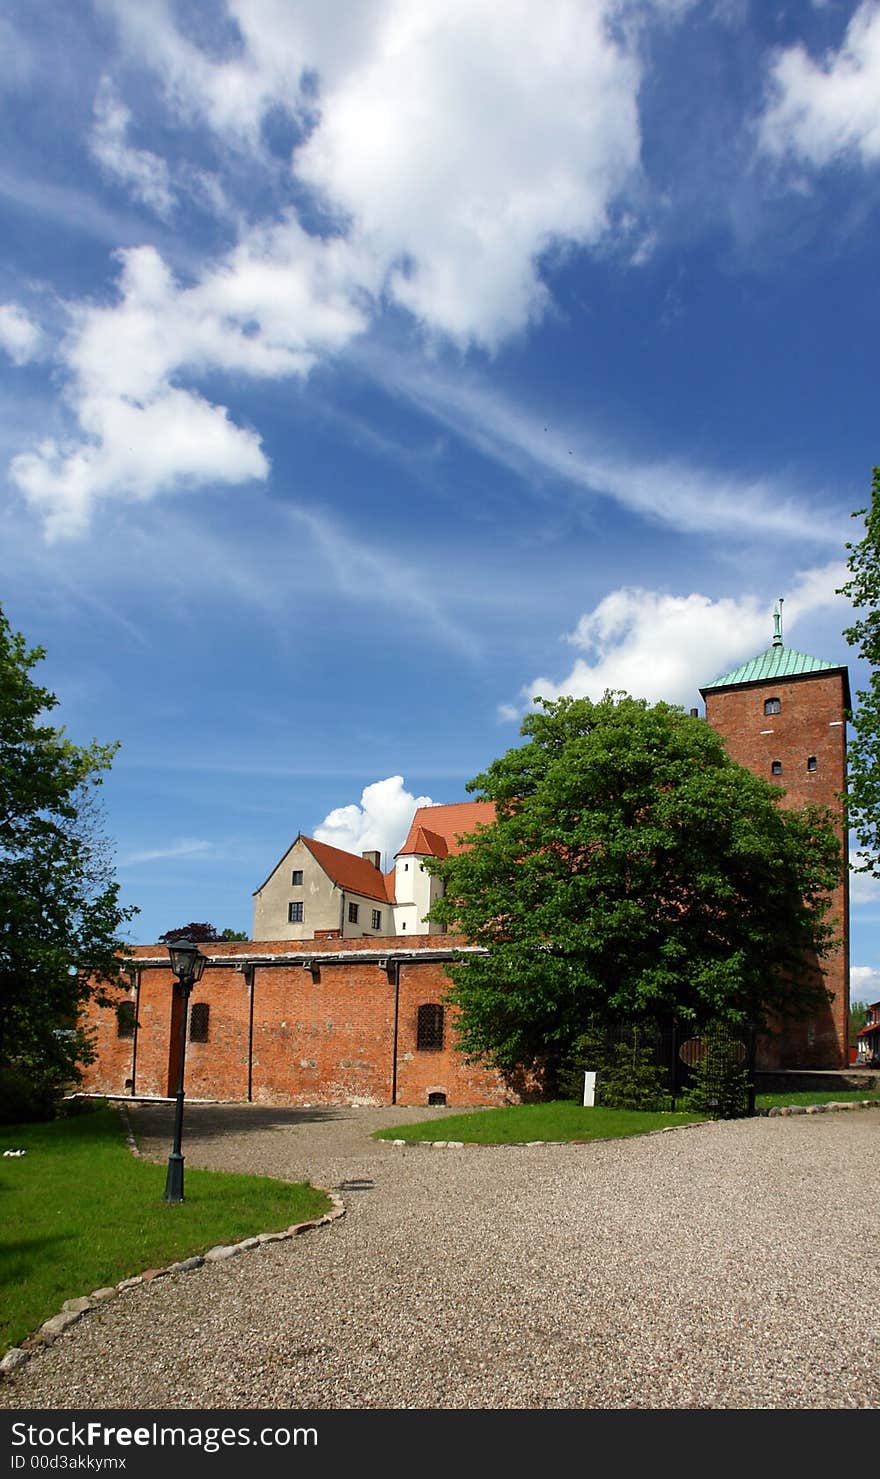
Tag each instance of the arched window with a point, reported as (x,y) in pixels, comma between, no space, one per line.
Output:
(812,763)
(198,1021)
(429,1030)
(772,706)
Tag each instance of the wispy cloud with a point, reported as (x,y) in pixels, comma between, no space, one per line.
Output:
(183,847)
(675,492)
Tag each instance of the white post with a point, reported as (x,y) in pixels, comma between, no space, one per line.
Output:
(589,1090)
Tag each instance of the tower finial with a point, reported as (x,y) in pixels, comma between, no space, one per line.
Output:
(777,623)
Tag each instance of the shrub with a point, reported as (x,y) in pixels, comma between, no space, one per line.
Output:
(27,1096)
(719,1084)
(628,1075)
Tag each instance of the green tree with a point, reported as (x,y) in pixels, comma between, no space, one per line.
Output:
(863,590)
(858,1018)
(633,870)
(59,906)
(200,934)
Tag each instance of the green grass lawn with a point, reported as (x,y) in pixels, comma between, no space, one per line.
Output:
(560,1119)
(79,1211)
(810,1096)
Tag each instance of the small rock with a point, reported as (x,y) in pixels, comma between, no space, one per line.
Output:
(150,1275)
(185,1264)
(439,1144)
(797,1109)
(99,1295)
(78,1306)
(301,1227)
(12,1359)
(60,1323)
(220,1253)
(459,1144)
(130,1283)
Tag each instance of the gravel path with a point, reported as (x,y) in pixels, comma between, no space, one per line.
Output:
(723,1266)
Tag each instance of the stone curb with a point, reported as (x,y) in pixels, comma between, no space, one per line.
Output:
(787,1109)
(73,1310)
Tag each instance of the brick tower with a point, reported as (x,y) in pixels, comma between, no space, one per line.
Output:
(783,716)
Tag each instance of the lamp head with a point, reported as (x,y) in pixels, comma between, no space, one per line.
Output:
(187,961)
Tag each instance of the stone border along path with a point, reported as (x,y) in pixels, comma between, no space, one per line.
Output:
(73,1310)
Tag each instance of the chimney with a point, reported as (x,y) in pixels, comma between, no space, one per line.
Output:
(373,857)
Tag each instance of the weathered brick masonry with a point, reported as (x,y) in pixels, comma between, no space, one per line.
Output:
(315,1025)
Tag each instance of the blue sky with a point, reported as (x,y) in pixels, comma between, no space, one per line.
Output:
(369,368)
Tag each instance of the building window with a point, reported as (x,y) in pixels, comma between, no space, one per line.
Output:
(296,878)
(776,767)
(812,763)
(198,1021)
(125,1020)
(406,867)
(772,706)
(295,913)
(429,1030)
(353,911)
(377,919)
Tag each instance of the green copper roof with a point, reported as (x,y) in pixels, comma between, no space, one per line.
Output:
(776,662)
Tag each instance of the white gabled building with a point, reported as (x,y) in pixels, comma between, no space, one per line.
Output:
(321,890)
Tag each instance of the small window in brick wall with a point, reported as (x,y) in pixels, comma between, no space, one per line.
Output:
(812,763)
(429,1029)
(125,1019)
(199,1013)
(772,706)
(776,767)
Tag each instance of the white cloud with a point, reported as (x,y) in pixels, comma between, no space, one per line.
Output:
(864,983)
(659,646)
(467,139)
(380,822)
(456,140)
(133,451)
(19,335)
(144,173)
(864,888)
(823,110)
(267,310)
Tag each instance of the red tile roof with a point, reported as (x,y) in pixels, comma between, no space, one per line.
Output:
(435,830)
(349,871)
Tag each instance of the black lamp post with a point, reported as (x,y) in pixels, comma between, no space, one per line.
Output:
(187,963)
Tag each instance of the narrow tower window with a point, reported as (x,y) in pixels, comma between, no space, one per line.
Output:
(429,1031)
(125,1021)
(776,767)
(812,763)
(772,706)
(198,1021)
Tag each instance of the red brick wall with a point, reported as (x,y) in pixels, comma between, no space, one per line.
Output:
(810,722)
(329,1039)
